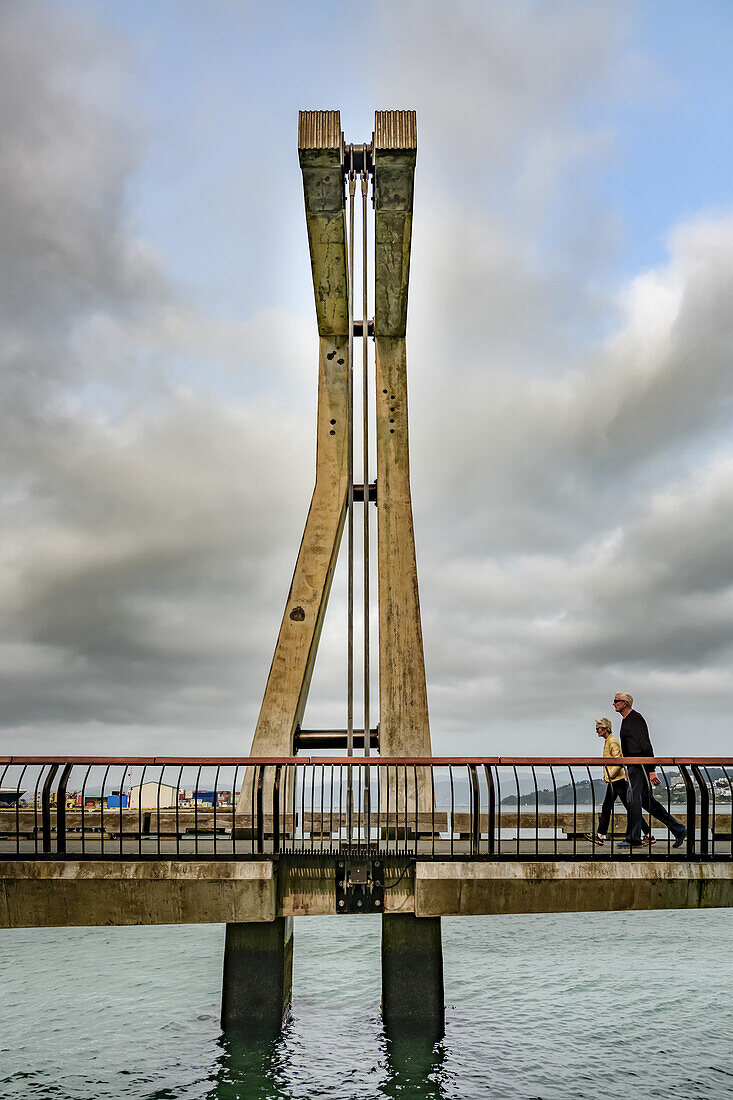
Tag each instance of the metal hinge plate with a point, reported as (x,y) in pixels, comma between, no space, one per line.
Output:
(359,886)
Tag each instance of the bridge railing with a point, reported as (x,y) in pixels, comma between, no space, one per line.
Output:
(437,808)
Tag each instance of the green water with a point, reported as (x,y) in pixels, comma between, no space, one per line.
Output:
(561,1007)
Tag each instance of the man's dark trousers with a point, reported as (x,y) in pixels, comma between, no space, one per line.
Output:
(617,789)
(641,796)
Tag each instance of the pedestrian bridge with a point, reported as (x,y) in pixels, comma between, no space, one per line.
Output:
(160,840)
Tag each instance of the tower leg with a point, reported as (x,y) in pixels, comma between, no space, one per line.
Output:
(412,975)
(258,977)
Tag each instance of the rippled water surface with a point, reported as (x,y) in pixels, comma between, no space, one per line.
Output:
(578,1005)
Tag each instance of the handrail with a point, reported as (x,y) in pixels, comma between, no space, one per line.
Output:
(379,761)
(500,807)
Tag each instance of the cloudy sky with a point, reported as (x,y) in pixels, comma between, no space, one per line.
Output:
(570,345)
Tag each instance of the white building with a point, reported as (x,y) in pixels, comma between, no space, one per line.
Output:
(151,795)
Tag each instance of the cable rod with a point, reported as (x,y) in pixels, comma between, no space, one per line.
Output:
(365,446)
(350,492)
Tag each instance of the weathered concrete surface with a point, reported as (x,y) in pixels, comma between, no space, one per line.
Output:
(286,693)
(167,822)
(395,154)
(404,728)
(412,975)
(128,821)
(310,891)
(468,888)
(289,678)
(307,891)
(49,893)
(320,145)
(46,893)
(258,977)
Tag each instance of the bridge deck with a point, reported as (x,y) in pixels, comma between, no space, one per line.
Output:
(451,836)
(68,892)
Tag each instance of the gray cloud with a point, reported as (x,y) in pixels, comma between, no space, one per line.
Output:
(63,173)
(572,474)
(143,521)
(594,509)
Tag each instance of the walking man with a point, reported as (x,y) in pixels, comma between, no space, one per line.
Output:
(635,742)
(617,787)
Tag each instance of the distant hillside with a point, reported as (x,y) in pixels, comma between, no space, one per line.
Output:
(565,796)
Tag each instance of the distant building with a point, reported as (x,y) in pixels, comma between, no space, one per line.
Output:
(208,798)
(190,798)
(10,795)
(151,795)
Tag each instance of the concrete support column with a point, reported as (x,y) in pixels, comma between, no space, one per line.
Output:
(412,975)
(258,977)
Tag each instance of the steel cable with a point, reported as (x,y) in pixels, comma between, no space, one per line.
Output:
(350,504)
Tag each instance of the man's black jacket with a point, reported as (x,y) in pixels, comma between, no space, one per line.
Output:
(635,737)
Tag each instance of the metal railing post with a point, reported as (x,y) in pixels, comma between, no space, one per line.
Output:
(704,810)
(61,810)
(17,807)
(475,810)
(492,807)
(260,815)
(276,811)
(46,808)
(691,809)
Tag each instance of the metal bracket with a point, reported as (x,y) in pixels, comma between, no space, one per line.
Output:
(358,159)
(372,493)
(359,886)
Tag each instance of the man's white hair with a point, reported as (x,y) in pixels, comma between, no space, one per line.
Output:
(625,695)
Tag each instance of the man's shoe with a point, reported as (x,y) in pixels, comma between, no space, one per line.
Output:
(624,844)
(680,840)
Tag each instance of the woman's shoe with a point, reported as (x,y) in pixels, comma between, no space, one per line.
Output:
(595,838)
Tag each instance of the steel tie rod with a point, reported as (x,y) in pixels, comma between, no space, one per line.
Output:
(365,452)
(350,502)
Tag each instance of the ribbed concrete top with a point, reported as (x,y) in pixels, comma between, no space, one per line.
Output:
(319,129)
(395,130)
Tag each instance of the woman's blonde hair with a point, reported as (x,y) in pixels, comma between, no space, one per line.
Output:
(603,723)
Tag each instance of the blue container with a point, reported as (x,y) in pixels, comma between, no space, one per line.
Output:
(205,796)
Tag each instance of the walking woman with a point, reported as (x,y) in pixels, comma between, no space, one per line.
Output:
(617,785)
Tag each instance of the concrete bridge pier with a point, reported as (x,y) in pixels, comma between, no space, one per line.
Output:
(258,977)
(413,1000)
(414,1062)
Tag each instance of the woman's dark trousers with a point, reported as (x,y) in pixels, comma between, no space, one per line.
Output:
(641,796)
(618,789)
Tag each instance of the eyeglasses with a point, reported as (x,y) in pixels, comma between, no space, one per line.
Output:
(618,701)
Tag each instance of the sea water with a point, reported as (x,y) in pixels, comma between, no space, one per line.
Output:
(565,1006)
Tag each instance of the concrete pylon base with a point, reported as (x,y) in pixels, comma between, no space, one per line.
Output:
(412,976)
(258,977)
